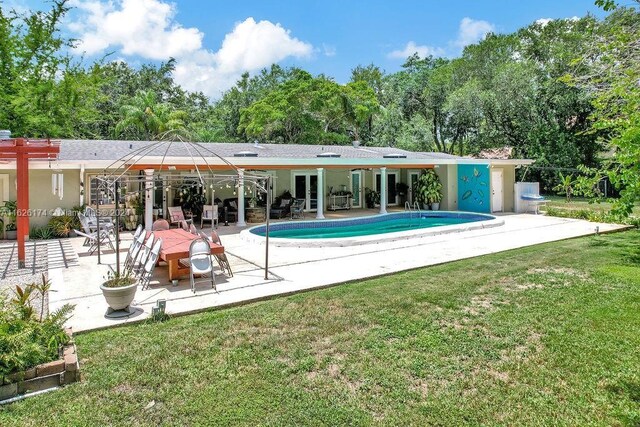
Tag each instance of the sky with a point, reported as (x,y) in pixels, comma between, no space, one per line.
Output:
(215,41)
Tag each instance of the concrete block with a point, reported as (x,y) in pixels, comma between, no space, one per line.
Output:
(69,349)
(40,383)
(7,391)
(70,362)
(55,367)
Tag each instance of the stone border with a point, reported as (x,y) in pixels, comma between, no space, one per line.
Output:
(65,370)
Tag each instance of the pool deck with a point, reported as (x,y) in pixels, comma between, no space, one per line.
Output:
(294,270)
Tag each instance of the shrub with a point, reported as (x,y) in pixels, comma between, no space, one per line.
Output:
(63,225)
(26,338)
(41,233)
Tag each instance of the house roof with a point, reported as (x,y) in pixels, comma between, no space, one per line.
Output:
(73,149)
(101,154)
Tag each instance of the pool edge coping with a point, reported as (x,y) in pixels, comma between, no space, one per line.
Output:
(249,237)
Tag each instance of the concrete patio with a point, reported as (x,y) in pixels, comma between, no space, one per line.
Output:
(293,269)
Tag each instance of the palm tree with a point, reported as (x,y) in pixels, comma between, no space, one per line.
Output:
(149,119)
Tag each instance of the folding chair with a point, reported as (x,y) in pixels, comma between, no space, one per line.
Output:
(134,250)
(223,262)
(150,263)
(143,254)
(200,262)
(95,239)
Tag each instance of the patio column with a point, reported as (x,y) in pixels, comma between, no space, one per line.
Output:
(82,190)
(240,218)
(383,190)
(320,194)
(148,199)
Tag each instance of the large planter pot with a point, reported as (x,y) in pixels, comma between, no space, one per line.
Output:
(11,234)
(435,206)
(121,297)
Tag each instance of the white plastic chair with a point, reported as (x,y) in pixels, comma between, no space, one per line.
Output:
(209,213)
(150,263)
(200,262)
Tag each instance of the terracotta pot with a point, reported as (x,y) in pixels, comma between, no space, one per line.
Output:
(121,297)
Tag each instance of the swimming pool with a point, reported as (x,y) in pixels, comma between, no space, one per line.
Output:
(370,229)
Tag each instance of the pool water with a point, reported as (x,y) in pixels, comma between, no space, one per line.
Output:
(367,226)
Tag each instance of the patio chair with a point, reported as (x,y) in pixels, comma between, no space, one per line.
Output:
(96,239)
(297,208)
(280,210)
(143,254)
(230,209)
(184,225)
(92,217)
(200,262)
(223,262)
(134,250)
(193,229)
(150,264)
(209,213)
(160,225)
(138,232)
(88,228)
(176,215)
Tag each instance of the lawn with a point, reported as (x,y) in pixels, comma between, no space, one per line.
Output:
(580,203)
(543,335)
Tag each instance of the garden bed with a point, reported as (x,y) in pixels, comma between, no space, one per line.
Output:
(62,371)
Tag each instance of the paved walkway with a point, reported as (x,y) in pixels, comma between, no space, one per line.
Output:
(297,269)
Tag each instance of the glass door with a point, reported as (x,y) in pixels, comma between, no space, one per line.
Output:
(305,186)
(356,188)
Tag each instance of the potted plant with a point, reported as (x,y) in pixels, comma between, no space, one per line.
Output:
(119,289)
(428,189)
(371,197)
(10,210)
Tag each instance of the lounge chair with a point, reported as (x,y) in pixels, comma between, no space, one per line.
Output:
(96,239)
(176,215)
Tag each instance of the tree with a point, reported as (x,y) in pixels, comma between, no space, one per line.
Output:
(614,77)
(146,118)
(30,60)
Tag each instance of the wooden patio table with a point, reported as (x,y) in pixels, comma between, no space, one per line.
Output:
(175,245)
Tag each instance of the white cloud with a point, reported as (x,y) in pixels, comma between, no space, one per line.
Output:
(137,27)
(328,50)
(147,29)
(472,31)
(421,50)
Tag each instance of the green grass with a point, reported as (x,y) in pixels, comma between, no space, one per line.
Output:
(580,203)
(542,335)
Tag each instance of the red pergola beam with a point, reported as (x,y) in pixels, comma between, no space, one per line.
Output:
(22,150)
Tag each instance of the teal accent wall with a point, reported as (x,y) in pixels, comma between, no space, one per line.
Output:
(473,188)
